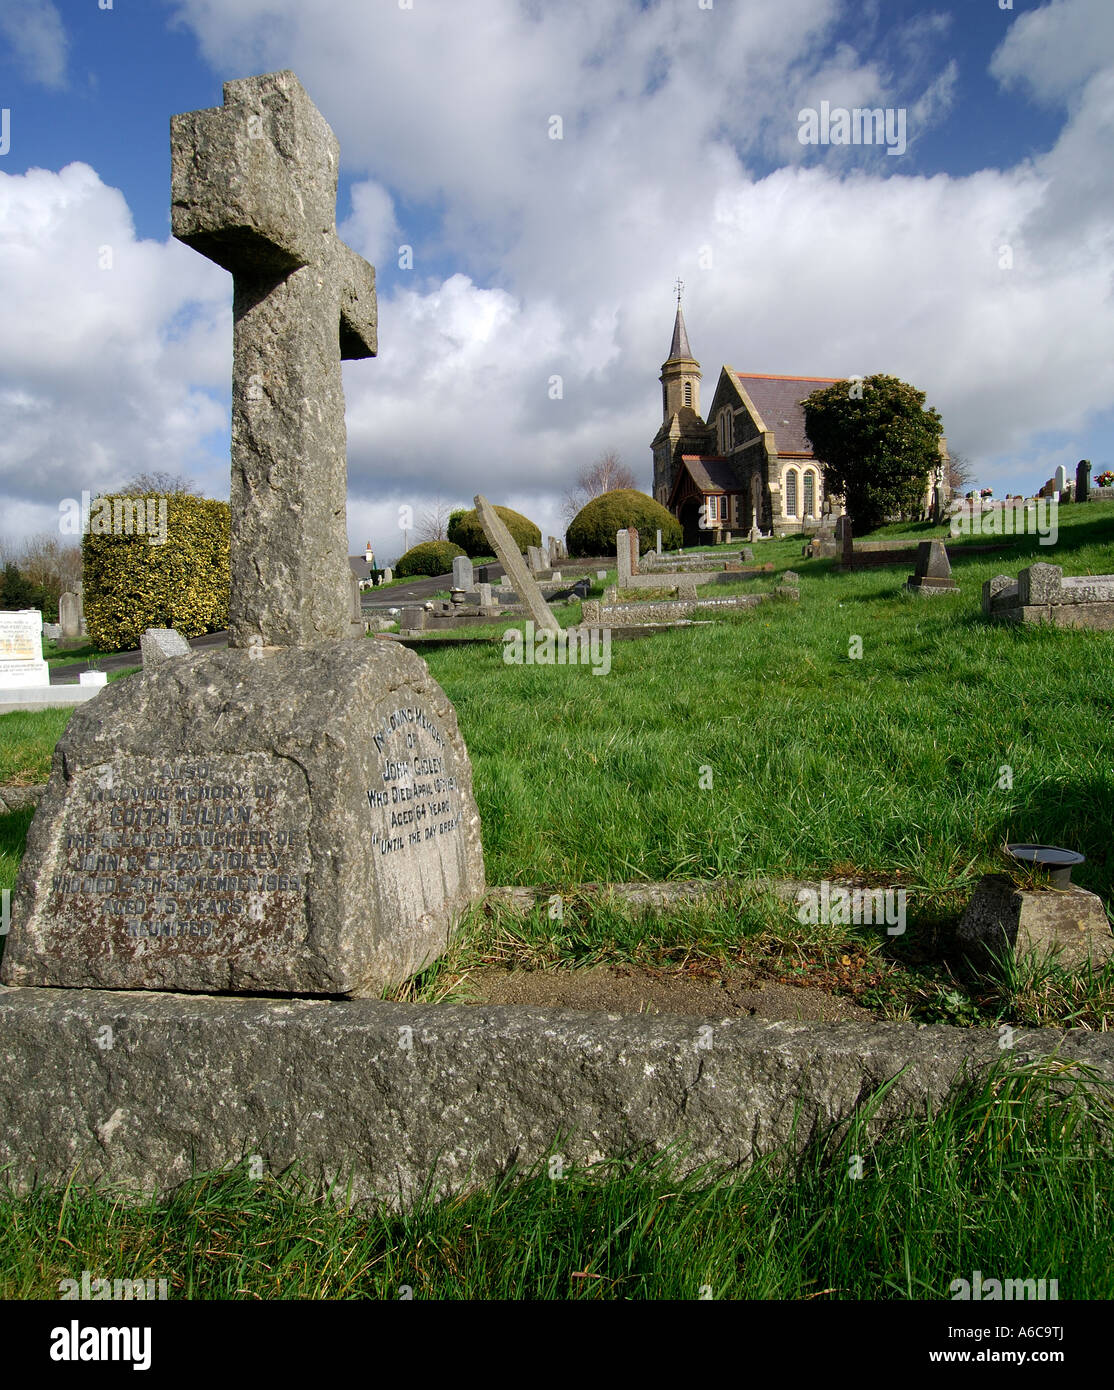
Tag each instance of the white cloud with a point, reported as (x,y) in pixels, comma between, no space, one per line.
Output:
(1053,51)
(107,344)
(561,254)
(37,37)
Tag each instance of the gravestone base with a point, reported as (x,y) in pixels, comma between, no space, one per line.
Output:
(290,820)
(928,586)
(1072,922)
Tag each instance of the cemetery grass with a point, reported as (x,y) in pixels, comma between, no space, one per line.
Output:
(1014,1176)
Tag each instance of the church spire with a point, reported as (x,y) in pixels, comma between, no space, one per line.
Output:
(680,373)
(680,344)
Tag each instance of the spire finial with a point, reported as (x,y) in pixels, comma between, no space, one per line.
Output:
(679,288)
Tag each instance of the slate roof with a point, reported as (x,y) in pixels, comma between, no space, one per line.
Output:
(711,474)
(778,400)
(359,566)
(680,344)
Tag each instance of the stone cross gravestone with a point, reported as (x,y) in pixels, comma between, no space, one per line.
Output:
(69,615)
(22,664)
(294,814)
(515,568)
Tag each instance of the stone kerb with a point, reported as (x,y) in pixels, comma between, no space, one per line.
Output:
(1042,594)
(447,1095)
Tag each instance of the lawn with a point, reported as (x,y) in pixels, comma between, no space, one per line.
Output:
(861,731)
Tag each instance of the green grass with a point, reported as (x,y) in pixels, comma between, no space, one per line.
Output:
(1013,1177)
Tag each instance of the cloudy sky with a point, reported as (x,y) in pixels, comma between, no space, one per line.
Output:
(978,263)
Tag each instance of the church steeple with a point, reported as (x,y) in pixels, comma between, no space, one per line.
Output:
(680,373)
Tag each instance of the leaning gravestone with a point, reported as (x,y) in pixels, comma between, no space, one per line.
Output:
(510,557)
(294,814)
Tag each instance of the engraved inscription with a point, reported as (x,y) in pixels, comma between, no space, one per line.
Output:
(192,849)
(416,801)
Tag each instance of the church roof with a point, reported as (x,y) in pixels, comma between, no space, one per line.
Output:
(679,347)
(778,401)
(711,474)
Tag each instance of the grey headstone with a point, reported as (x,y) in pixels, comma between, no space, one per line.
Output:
(159,644)
(484,591)
(53,631)
(388,575)
(622,556)
(601,574)
(1060,478)
(658,545)
(746,554)
(791,578)
(462,573)
(1082,481)
(932,561)
(69,616)
(844,541)
(504,546)
(632,536)
(992,589)
(254,189)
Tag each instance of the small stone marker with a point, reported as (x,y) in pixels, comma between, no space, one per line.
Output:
(1070,922)
(69,616)
(658,545)
(295,814)
(1083,481)
(484,591)
(933,574)
(22,664)
(523,581)
(462,573)
(746,554)
(159,644)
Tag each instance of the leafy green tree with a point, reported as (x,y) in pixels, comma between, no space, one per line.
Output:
(466,531)
(17,591)
(429,558)
(877,443)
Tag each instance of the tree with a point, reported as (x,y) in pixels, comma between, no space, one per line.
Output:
(466,531)
(160,484)
(877,444)
(17,591)
(434,522)
(607,474)
(961,474)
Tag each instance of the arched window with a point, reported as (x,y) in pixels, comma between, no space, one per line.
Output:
(688,393)
(791,492)
(810,493)
(729,431)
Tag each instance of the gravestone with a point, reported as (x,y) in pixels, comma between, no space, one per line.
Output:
(657,546)
(388,575)
(160,644)
(462,573)
(22,664)
(515,569)
(622,558)
(294,814)
(933,574)
(844,544)
(69,615)
(1083,481)
(938,505)
(632,538)
(484,591)
(1060,478)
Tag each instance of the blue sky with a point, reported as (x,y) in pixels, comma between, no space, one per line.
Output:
(533,257)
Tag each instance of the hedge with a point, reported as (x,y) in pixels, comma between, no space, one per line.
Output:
(431,557)
(592,531)
(131,584)
(465,530)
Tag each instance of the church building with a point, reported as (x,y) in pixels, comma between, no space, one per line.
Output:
(751,466)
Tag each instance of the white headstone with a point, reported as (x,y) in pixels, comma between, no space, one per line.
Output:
(1061,478)
(21,650)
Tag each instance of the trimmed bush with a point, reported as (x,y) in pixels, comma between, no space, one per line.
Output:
(593,529)
(431,558)
(131,584)
(464,528)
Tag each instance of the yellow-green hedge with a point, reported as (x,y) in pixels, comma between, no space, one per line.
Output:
(131,585)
